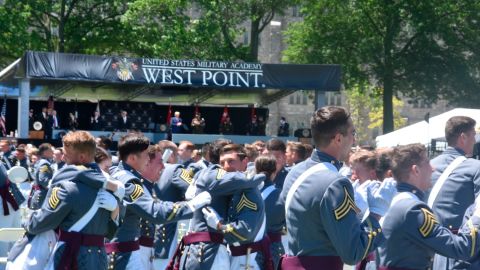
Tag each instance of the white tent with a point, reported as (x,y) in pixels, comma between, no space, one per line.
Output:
(423,132)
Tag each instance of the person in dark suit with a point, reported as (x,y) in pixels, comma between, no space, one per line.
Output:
(284,128)
(124,121)
(96,122)
(176,123)
(72,122)
(31,119)
(48,125)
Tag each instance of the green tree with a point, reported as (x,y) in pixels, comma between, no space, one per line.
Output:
(419,48)
(366,107)
(199,29)
(87,26)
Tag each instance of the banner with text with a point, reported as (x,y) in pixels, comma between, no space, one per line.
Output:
(195,73)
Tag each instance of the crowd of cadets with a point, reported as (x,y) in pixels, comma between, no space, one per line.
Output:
(265,205)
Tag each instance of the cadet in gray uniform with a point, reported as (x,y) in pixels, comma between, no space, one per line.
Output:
(411,229)
(202,245)
(462,185)
(68,201)
(323,229)
(7,157)
(10,199)
(246,218)
(274,209)
(140,206)
(174,182)
(42,175)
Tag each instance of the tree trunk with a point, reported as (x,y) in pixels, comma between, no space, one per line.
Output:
(254,40)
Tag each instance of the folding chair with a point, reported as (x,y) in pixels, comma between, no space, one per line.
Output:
(10,235)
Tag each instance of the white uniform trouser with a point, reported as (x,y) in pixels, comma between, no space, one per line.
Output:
(222,259)
(240,262)
(10,221)
(36,255)
(141,259)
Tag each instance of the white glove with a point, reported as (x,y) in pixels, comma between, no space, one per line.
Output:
(120,192)
(106,200)
(190,193)
(387,190)
(211,216)
(199,201)
(360,194)
(377,204)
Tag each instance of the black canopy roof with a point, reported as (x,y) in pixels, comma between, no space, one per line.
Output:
(182,82)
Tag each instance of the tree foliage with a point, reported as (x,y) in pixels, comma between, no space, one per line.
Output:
(87,26)
(366,108)
(422,49)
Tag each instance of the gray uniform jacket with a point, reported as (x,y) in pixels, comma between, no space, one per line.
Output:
(222,186)
(413,235)
(172,186)
(280,177)
(42,175)
(246,212)
(458,191)
(275,214)
(141,207)
(322,216)
(66,202)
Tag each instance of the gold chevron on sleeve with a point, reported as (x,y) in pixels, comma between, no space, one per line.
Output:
(137,192)
(429,222)
(186,175)
(245,202)
(347,204)
(220,173)
(53,201)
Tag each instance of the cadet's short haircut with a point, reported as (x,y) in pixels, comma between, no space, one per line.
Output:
(326,122)
(276,145)
(456,126)
(106,141)
(404,157)
(101,155)
(266,164)
(207,150)
(188,145)
(251,151)
(44,147)
(153,150)
(132,144)
(80,141)
(20,149)
(166,144)
(384,162)
(233,147)
(364,157)
(217,145)
(259,143)
(308,150)
(298,148)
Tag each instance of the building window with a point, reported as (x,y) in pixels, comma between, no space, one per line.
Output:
(298,98)
(295,11)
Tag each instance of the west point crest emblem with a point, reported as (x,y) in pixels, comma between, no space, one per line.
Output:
(124,69)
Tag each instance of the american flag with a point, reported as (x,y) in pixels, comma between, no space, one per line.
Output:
(2,117)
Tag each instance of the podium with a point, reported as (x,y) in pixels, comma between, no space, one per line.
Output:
(36,134)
